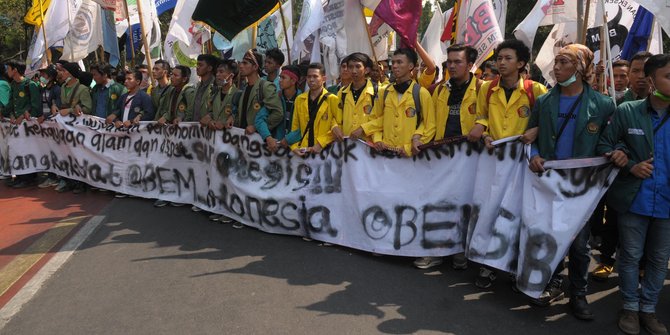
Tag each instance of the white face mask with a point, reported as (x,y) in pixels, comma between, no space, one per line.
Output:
(569,81)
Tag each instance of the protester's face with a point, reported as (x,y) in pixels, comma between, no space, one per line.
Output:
(247,68)
(271,65)
(620,78)
(223,74)
(145,78)
(638,81)
(375,74)
(61,73)
(345,74)
(285,81)
(507,62)
(458,65)
(315,79)
(358,71)
(401,66)
(98,77)
(661,80)
(176,78)
(10,72)
(202,68)
(488,74)
(563,68)
(131,82)
(158,71)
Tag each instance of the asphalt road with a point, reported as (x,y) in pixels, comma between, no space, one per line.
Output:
(171,271)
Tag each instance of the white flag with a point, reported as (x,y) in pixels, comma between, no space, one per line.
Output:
(500,8)
(545,12)
(284,41)
(310,21)
(356,27)
(85,35)
(333,38)
(431,39)
(185,37)
(57,22)
(478,27)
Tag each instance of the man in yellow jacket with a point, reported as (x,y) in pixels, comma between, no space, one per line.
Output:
(504,105)
(313,116)
(456,100)
(404,112)
(358,98)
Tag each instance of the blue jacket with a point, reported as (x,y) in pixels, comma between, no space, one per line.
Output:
(140,104)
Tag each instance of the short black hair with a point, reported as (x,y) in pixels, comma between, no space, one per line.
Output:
(230,65)
(489,64)
(654,63)
(317,66)
(164,64)
(102,68)
(120,77)
(521,50)
(276,55)
(409,53)
(185,71)
(471,53)
(18,66)
(621,63)
(642,55)
(141,67)
(3,72)
(360,57)
(137,74)
(209,59)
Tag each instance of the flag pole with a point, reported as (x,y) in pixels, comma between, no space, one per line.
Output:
(283,24)
(585,24)
(130,35)
(147,52)
(367,30)
(44,32)
(254,33)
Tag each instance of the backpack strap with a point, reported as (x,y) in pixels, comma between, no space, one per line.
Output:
(493,84)
(416,94)
(260,92)
(528,87)
(310,123)
(75,90)
(375,87)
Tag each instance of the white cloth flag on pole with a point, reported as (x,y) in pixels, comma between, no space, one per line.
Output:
(107,4)
(356,28)
(185,37)
(282,39)
(333,38)
(431,38)
(310,21)
(85,35)
(544,13)
(57,22)
(500,8)
(478,27)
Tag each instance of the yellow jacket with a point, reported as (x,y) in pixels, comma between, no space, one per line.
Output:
(425,80)
(395,120)
(502,118)
(352,115)
(468,111)
(323,123)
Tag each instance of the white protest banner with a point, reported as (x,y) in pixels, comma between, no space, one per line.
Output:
(346,195)
(333,38)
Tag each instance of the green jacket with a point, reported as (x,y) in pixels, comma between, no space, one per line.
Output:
(115,91)
(222,109)
(270,101)
(184,108)
(592,117)
(79,94)
(632,132)
(25,96)
(206,98)
(157,94)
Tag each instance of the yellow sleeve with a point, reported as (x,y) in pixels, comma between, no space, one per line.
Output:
(483,106)
(427,127)
(339,114)
(425,80)
(335,110)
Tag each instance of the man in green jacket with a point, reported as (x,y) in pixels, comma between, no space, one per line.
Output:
(106,92)
(75,97)
(24,102)
(641,196)
(569,121)
(178,100)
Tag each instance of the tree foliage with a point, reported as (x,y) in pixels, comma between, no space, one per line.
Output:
(15,34)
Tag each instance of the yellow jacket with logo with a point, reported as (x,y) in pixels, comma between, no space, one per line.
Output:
(502,118)
(323,123)
(395,121)
(468,111)
(353,114)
